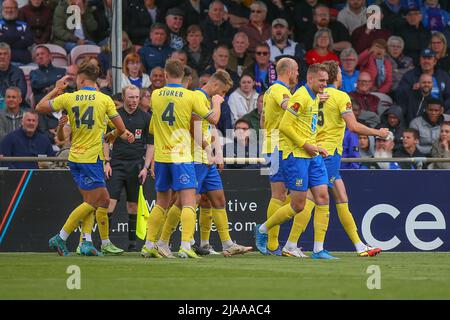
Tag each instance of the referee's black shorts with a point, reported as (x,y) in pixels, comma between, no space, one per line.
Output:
(124,174)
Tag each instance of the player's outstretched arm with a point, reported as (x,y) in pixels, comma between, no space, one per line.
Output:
(119,131)
(44,105)
(356,127)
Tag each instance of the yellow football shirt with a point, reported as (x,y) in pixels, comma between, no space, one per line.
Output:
(331,125)
(299,123)
(87,110)
(199,153)
(273,112)
(172,107)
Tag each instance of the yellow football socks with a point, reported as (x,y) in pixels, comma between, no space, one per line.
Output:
(171,223)
(188,219)
(101,214)
(77,216)
(281,215)
(155,223)
(301,221)
(220,218)
(205,220)
(347,221)
(87,225)
(321,219)
(274,205)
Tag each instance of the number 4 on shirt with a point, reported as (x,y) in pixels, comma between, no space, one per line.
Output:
(168,115)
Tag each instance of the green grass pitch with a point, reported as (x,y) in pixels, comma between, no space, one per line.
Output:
(253,276)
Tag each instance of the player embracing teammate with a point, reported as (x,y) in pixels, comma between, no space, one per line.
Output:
(175,109)
(311,134)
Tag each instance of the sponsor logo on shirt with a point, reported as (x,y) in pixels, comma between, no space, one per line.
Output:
(138,133)
(295,107)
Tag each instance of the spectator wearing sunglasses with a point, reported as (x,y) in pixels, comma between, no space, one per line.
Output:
(262,70)
(257,29)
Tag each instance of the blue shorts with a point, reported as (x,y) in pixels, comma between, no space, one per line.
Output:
(275,170)
(300,174)
(175,176)
(88,176)
(333,163)
(208,178)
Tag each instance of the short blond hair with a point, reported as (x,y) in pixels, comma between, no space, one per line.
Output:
(174,68)
(129,87)
(224,77)
(316,68)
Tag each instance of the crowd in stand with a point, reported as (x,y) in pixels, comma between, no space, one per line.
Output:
(397,75)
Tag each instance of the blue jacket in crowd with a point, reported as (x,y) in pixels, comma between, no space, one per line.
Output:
(19,37)
(154,56)
(18,144)
(44,77)
(350,149)
(13,77)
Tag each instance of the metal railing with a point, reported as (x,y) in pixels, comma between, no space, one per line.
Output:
(417,160)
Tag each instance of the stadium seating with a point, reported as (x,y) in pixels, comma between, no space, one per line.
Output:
(79,52)
(59,55)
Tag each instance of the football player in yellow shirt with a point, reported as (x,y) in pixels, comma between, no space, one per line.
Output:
(172,108)
(333,116)
(87,109)
(274,103)
(303,166)
(208,177)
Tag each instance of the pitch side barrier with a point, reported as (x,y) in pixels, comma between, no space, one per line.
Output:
(397,210)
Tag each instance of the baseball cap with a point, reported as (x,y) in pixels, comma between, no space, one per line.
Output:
(281,21)
(389,137)
(427,53)
(175,12)
(411,9)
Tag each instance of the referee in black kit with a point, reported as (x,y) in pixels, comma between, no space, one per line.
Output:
(126,167)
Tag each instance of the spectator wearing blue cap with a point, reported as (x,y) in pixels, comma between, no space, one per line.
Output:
(441,79)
